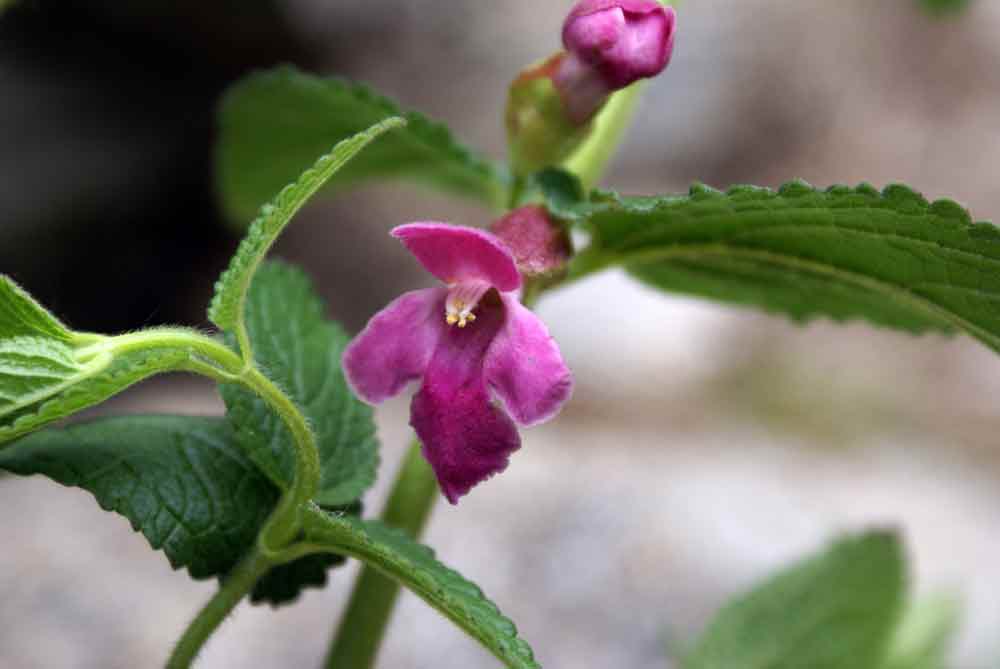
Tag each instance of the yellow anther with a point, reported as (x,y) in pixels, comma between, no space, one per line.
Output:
(451,319)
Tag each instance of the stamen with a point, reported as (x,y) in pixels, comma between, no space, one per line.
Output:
(462,300)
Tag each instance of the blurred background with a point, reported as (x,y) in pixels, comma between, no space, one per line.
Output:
(704,446)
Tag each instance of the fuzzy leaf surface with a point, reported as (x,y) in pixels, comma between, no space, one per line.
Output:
(231,289)
(22,316)
(300,349)
(889,257)
(837,610)
(181,481)
(412,564)
(43,380)
(274,123)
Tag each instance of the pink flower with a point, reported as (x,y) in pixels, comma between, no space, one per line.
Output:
(470,341)
(611,44)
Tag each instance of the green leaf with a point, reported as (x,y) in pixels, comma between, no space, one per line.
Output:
(180,481)
(837,610)
(231,289)
(273,123)
(22,316)
(925,635)
(944,7)
(300,350)
(891,257)
(283,584)
(414,566)
(43,380)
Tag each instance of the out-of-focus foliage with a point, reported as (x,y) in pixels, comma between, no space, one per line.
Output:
(275,123)
(942,7)
(837,610)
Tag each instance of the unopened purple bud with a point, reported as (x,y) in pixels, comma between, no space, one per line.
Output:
(623,40)
(539,245)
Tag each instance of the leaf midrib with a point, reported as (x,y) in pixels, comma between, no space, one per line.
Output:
(698,252)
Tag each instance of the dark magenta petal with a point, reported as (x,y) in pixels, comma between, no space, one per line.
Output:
(466,437)
(624,40)
(396,345)
(454,253)
(524,367)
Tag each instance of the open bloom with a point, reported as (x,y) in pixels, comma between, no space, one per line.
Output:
(486,361)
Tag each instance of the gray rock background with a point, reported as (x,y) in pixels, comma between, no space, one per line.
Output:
(704,446)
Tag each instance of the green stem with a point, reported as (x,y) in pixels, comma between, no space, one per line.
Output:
(237,584)
(363,625)
(212,358)
(589,161)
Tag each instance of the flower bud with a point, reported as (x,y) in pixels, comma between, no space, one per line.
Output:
(623,40)
(540,246)
(540,131)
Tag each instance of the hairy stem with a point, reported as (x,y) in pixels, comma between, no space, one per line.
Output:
(210,357)
(237,584)
(361,629)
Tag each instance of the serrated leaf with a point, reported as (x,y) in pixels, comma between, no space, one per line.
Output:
(181,481)
(300,350)
(837,610)
(925,635)
(415,567)
(43,380)
(22,316)
(891,257)
(232,287)
(273,123)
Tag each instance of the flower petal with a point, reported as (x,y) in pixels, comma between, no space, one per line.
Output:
(396,345)
(524,367)
(454,253)
(466,437)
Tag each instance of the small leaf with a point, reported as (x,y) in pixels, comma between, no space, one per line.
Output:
(22,316)
(891,257)
(837,610)
(231,289)
(273,123)
(414,566)
(180,481)
(300,350)
(925,635)
(283,584)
